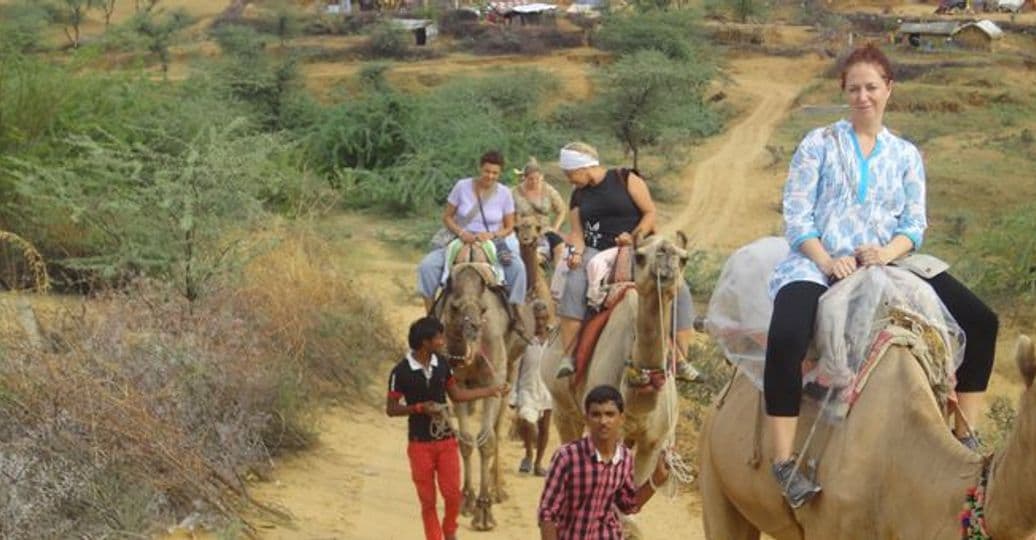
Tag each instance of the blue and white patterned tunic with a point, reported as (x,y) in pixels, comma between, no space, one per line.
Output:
(835,194)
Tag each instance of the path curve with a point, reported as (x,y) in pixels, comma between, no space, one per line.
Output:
(732,191)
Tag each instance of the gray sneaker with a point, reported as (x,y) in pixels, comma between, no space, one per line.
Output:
(971,441)
(566,368)
(797,489)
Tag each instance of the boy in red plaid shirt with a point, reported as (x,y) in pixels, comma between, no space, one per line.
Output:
(592,477)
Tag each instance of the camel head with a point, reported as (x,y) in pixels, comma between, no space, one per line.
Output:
(464,315)
(529,229)
(659,261)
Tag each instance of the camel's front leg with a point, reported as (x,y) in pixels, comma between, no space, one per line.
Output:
(467,446)
(487,442)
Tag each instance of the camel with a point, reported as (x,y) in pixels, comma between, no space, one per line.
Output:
(481,347)
(891,469)
(530,231)
(637,332)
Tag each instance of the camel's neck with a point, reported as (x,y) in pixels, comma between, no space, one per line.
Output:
(1011,495)
(654,325)
(532,266)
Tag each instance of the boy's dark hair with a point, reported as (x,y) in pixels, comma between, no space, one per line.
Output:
(492,156)
(422,330)
(604,394)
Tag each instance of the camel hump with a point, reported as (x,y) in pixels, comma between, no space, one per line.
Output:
(857,319)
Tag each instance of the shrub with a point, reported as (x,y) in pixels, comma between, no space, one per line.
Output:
(21,27)
(388,40)
(413,147)
(676,34)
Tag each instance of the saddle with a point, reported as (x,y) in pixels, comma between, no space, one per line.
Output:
(618,283)
(479,258)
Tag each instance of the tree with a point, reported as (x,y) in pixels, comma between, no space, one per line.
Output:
(108,6)
(285,20)
(746,10)
(158,33)
(75,15)
(645,96)
(145,5)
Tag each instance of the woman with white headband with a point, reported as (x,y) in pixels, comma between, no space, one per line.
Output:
(606,211)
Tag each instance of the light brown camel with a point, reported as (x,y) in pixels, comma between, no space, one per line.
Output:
(479,337)
(892,469)
(637,332)
(529,230)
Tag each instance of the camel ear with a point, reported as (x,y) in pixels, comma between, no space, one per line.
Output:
(681,240)
(1025,355)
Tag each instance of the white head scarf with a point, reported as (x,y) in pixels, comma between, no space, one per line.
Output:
(571,160)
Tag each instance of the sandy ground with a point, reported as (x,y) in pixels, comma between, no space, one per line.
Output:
(356,483)
(731,190)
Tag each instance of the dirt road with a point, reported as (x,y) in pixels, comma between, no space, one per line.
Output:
(731,193)
(356,483)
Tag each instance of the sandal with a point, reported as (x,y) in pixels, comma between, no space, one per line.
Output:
(526,466)
(540,471)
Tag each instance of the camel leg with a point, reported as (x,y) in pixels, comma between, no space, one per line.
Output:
(721,519)
(483,519)
(466,448)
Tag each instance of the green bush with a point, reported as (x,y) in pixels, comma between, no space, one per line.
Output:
(388,40)
(21,27)
(403,152)
(676,34)
(269,88)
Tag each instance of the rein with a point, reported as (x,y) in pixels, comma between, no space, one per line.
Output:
(646,380)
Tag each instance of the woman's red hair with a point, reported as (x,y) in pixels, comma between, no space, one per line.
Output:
(867,54)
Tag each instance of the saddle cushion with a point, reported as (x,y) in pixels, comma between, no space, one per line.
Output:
(590,332)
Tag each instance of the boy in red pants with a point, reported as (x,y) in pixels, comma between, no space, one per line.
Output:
(423,380)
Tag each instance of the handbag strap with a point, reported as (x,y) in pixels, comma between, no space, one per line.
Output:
(480,210)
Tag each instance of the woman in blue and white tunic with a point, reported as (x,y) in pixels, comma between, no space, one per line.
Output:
(855,197)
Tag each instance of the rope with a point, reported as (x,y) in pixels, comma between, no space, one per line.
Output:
(440,427)
(812,431)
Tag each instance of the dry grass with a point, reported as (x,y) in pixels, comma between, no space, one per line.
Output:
(140,408)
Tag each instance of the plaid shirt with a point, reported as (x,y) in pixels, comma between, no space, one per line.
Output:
(582,492)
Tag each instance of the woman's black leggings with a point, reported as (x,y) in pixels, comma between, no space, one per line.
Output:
(791,332)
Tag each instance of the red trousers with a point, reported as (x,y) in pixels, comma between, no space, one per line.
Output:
(429,460)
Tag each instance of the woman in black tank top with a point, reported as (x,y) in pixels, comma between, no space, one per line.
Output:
(606,208)
(609,207)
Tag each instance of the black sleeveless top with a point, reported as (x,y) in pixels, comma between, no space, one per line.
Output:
(606,210)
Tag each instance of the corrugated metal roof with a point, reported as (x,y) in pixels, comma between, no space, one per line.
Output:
(945,28)
(987,26)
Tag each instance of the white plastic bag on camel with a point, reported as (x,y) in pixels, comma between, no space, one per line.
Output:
(849,316)
(852,312)
(740,307)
